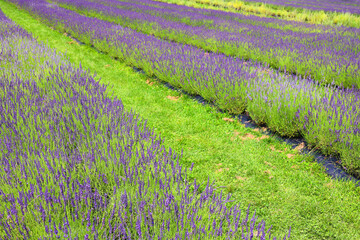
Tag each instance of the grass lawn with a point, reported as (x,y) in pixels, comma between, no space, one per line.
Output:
(285,188)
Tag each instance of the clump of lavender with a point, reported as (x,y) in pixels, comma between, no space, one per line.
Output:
(74,164)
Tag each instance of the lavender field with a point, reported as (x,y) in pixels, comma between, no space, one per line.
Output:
(326,116)
(330,13)
(76,164)
(327,54)
(352,6)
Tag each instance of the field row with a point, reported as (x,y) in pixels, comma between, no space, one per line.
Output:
(75,163)
(326,117)
(326,54)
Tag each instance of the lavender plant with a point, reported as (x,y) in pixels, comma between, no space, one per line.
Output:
(75,164)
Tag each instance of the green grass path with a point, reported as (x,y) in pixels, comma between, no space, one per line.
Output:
(284,187)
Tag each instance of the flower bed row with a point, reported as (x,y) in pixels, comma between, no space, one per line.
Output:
(330,57)
(74,164)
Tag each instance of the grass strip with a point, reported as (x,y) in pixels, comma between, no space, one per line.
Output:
(269,10)
(285,188)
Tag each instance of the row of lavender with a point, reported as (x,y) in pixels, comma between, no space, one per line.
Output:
(74,164)
(329,57)
(352,6)
(326,117)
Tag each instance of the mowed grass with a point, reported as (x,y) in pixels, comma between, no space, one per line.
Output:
(285,188)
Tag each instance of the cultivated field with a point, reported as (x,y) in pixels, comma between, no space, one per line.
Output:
(337,12)
(91,148)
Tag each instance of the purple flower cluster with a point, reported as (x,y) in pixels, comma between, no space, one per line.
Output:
(75,164)
(331,56)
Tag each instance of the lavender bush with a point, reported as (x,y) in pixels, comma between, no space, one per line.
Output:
(75,164)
